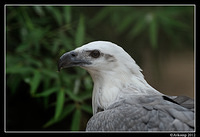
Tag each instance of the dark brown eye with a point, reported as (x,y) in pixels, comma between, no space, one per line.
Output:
(95,54)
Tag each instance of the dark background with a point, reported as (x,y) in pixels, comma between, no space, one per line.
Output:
(159,38)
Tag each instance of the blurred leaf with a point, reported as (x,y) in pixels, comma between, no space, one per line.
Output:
(67,14)
(55,46)
(31,60)
(72,95)
(101,15)
(88,83)
(24,34)
(59,103)
(46,102)
(81,72)
(76,120)
(35,82)
(50,122)
(77,85)
(85,95)
(46,83)
(127,22)
(14,81)
(80,32)
(153,33)
(22,47)
(47,92)
(19,69)
(49,63)
(55,13)
(39,10)
(66,111)
(32,40)
(65,41)
(27,19)
(49,73)
(169,30)
(138,27)
(27,80)
(171,22)
(68,80)
(87,108)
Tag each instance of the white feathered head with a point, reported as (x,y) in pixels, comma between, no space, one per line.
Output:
(114,72)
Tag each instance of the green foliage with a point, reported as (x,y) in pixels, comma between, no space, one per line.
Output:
(35,41)
(36,36)
(34,82)
(59,103)
(76,120)
(80,32)
(173,22)
(66,111)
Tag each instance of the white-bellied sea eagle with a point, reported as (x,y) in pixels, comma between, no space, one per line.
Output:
(122,100)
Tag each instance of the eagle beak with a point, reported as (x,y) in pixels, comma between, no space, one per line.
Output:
(70,59)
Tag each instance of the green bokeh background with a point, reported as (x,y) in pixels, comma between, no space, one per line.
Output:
(37,96)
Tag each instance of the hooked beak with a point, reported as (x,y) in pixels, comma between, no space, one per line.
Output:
(70,59)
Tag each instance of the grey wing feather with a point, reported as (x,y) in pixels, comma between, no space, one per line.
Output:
(145,113)
(184,101)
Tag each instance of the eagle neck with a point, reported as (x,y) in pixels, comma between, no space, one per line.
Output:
(110,88)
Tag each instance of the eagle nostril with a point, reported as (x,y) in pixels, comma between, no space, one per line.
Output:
(73,54)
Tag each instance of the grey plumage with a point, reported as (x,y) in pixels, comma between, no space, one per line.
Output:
(143,113)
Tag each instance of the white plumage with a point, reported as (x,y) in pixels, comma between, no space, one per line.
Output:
(114,80)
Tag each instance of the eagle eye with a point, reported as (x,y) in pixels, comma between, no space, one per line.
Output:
(95,54)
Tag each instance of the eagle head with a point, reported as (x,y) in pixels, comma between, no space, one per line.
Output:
(114,72)
(99,56)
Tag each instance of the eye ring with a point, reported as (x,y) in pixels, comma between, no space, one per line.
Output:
(95,54)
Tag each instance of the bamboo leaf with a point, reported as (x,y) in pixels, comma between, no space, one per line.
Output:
(22,47)
(35,82)
(169,32)
(30,60)
(77,86)
(88,83)
(153,33)
(67,15)
(49,123)
(85,96)
(28,20)
(72,95)
(87,108)
(59,103)
(66,111)
(127,22)
(80,32)
(171,22)
(55,13)
(49,73)
(138,27)
(76,120)
(19,69)
(100,16)
(14,80)
(39,10)
(47,92)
